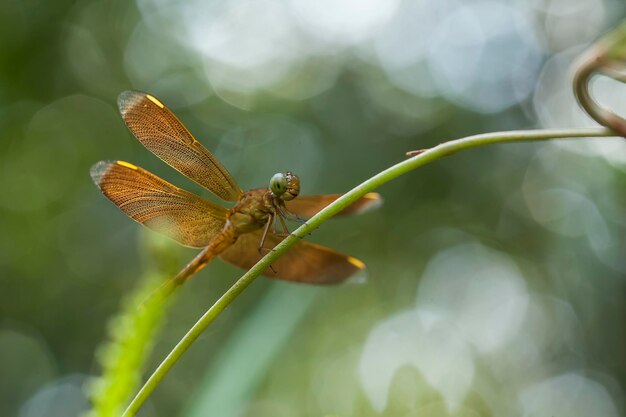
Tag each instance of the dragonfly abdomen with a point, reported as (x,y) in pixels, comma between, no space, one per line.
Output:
(218,244)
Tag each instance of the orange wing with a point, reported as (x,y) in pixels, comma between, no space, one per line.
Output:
(305,262)
(158,204)
(165,136)
(308,205)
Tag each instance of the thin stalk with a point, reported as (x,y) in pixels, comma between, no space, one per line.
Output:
(429,155)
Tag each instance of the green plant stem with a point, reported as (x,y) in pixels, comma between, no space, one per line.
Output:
(351,196)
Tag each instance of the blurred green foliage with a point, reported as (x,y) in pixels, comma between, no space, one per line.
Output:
(509,259)
(132,335)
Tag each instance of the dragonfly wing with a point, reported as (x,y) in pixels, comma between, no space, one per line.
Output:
(158,204)
(308,205)
(156,127)
(304,262)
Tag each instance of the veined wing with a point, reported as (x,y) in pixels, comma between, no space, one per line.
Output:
(156,127)
(307,206)
(304,262)
(159,205)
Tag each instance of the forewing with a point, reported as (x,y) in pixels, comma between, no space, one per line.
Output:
(156,127)
(158,204)
(304,262)
(308,205)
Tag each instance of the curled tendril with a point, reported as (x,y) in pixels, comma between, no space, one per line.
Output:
(606,57)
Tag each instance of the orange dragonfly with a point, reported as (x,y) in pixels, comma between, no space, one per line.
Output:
(238,235)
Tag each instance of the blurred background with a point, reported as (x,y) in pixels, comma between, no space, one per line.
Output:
(496,280)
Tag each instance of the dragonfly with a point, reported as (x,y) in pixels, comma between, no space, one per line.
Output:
(240,235)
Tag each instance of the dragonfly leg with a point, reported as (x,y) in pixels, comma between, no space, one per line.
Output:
(294,217)
(284,226)
(268,250)
(289,215)
(262,248)
(265,230)
(263,251)
(275,228)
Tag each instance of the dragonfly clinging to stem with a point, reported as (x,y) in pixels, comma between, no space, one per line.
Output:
(238,235)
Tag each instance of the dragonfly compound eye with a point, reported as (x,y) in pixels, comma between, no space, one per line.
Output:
(278,184)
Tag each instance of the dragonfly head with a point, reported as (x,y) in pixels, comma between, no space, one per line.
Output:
(285,186)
